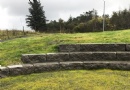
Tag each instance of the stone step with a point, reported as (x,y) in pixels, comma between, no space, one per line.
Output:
(75,56)
(93,47)
(26,69)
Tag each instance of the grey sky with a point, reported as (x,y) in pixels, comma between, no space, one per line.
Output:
(13,12)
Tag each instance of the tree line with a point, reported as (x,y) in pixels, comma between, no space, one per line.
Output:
(89,21)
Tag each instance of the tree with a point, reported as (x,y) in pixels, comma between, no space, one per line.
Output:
(120,20)
(36,20)
(69,25)
(53,26)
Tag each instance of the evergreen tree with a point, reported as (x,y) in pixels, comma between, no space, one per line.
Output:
(36,20)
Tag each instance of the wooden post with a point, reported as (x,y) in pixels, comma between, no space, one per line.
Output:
(7,34)
(23,31)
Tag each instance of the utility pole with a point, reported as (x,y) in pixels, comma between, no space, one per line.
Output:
(104,16)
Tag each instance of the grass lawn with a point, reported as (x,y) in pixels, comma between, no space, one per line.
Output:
(10,53)
(69,80)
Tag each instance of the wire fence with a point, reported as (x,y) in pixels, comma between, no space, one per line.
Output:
(10,34)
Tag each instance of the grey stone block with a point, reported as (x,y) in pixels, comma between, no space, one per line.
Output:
(83,56)
(69,48)
(103,56)
(28,69)
(57,57)
(43,67)
(123,56)
(127,47)
(102,47)
(71,65)
(116,65)
(33,58)
(90,66)
(15,70)
(119,66)
(4,72)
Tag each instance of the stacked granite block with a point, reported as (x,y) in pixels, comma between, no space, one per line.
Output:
(73,57)
(26,69)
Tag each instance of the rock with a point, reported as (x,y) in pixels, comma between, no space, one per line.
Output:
(15,70)
(25,69)
(102,47)
(103,56)
(28,69)
(81,56)
(57,57)
(69,48)
(43,67)
(127,47)
(33,58)
(114,65)
(89,65)
(71,65)
(4,72)
(123,56)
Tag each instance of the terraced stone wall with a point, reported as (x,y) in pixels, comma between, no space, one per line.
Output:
(26,69)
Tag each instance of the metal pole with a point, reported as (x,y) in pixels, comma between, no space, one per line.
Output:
(104,16)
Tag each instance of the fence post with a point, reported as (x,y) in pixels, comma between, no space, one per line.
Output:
(7,33)
(23,31)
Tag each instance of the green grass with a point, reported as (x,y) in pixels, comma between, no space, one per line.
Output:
(10,53)
(11,34)
(69,80)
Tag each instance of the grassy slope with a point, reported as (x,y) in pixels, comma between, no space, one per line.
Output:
(10,34)
(10,53)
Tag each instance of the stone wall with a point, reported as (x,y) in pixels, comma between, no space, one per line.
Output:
(76,56)
(56,66)
(93,47)
(73,57)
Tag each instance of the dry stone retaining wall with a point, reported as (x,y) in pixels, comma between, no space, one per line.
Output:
(73,57)
(76,56)
(93,47)
(56,66)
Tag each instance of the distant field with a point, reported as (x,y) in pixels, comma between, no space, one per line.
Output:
(11,34)
(10,53)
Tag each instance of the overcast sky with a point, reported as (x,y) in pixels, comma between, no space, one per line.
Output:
(13,12)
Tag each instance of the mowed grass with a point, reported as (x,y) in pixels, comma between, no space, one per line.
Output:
(69,80)
(11,51)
